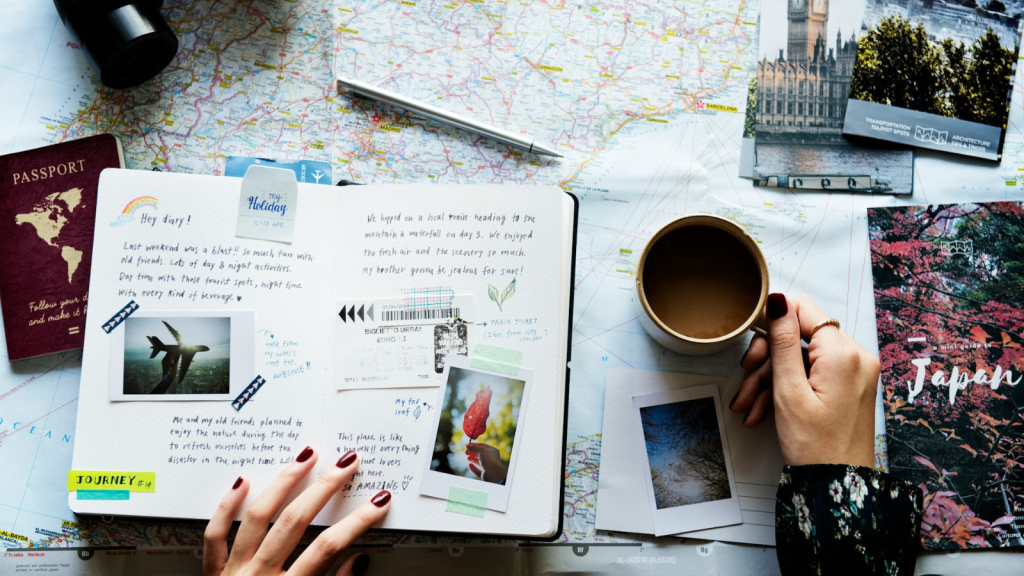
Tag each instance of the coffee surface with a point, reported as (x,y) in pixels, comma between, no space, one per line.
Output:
(701,281)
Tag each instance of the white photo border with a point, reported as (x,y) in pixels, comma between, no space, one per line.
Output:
(438,484)
(703,515)
(243,341)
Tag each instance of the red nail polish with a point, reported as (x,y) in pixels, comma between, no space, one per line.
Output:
(382,498)
(304,455)
(237,483)
(360,565)
(777,306)
(347,459)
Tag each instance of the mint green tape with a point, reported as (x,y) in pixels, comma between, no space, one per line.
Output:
(102,494)
(466,501)
(496,359)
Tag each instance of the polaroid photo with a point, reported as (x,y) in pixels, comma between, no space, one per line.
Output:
(687,465)
(161,356)
(476,432)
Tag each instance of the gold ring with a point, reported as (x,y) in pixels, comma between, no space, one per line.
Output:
(823,323)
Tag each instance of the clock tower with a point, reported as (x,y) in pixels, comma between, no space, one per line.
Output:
(808,19)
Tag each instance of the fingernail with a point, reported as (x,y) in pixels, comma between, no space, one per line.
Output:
(733,401)
(744,357)
(360,565)
(304,455)
(347,459)
(237,483)
(745,417)
(777,306)
(382,498)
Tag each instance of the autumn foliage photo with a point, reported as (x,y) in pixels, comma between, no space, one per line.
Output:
(477,428)
(949,301)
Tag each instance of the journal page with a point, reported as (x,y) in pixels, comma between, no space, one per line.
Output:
(450,321)
(206,356)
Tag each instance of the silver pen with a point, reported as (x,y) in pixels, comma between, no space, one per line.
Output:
(434,113)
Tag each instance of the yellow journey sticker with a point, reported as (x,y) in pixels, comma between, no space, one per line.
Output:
(93,480)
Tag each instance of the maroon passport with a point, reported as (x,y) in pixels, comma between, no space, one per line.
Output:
(47,217)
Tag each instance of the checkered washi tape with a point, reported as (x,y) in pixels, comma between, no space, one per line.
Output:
(246,394)
(426,297)
(118,318)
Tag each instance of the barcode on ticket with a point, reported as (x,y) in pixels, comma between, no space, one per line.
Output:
(413,316)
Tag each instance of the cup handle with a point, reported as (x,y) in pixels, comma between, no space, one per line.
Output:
(761,324)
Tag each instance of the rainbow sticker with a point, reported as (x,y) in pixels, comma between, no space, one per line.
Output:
(128,215)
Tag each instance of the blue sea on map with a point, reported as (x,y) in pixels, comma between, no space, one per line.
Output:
(896,166)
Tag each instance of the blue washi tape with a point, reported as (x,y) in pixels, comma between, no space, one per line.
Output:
(102,495)
(246,394)
(119,318)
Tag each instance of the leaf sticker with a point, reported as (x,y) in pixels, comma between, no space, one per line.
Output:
(475,421)
(509,291)
(492,293)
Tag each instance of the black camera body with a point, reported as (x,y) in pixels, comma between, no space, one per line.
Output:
(126,41)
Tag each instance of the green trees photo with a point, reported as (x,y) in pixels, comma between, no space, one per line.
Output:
(898,65)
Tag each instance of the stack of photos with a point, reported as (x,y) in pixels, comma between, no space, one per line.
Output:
(690,480)
(479,422)
(806,60)
(936,74)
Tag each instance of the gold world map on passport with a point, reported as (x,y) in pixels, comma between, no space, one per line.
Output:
(48,218)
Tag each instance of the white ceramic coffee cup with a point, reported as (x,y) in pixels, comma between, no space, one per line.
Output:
(681,343)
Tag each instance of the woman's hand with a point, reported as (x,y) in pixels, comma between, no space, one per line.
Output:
(824,396)
(256,551)
(488,458)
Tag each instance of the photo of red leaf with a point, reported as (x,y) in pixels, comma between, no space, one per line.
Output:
(477,427)
(475,421)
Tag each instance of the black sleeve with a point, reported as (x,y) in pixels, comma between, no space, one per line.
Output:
(837,519)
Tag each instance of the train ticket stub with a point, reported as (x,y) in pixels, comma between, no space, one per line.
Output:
(385,343)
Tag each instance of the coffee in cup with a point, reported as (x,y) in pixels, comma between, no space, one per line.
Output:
(701,283)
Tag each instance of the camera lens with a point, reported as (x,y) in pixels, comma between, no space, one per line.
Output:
(126,42)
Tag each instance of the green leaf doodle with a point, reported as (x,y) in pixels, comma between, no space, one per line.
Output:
(492,293)
(507,293)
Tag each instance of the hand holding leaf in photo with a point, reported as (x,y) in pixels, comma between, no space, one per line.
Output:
(485,462)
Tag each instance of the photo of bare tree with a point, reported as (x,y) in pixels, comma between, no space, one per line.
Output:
(684,448)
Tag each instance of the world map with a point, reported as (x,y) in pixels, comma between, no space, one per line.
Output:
(48,218)
(643,99)
(256,79)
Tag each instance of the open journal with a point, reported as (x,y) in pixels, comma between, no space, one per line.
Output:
(425,327)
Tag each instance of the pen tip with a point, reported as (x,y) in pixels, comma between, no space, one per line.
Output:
(544,151)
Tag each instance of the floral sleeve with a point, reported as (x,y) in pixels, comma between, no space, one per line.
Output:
(837,519)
